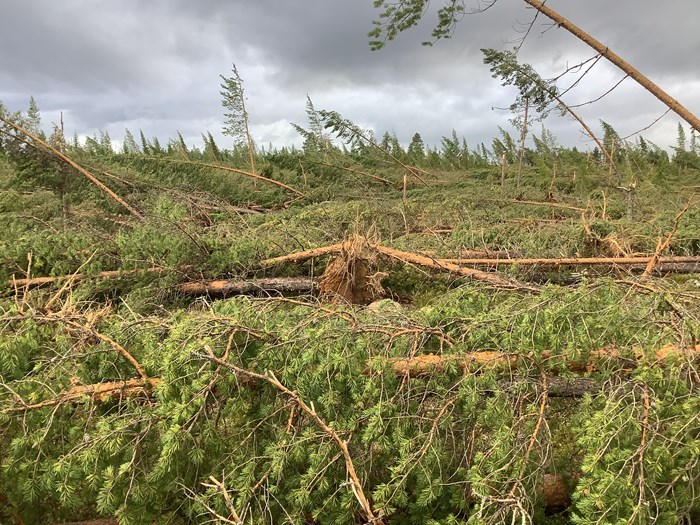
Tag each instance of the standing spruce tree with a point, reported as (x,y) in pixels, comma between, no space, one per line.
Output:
(236,123)
(416,149)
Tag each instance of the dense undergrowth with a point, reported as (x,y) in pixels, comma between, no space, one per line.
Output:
(489,443)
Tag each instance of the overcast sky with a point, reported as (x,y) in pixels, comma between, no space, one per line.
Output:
(154,65)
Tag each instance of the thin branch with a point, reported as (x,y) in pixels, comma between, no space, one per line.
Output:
(106,339)
(270,378)
(603,95)
(647,127)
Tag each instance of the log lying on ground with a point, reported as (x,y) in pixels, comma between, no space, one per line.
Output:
(486,360)
(75,277)
(640,262)
(423,365)
(269,286)
(436,264)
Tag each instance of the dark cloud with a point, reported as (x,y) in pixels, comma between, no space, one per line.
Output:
(155,65)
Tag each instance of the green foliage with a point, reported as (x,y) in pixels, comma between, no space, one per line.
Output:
(400,16)
(530,85)
(438,446)
(442,447)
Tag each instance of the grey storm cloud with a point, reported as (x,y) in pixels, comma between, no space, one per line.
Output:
(155,65)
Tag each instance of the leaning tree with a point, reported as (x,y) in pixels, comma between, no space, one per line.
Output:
(396,17)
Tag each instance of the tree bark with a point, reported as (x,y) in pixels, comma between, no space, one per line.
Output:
(613,57)
(488,360)
(689,262)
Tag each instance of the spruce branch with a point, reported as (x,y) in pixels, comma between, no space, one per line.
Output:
(269,377)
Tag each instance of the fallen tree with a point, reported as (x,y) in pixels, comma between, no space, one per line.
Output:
(669,263)
(424,365)
(494,430)
(358,244)
(511,361)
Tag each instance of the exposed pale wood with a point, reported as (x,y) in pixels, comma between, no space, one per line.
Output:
(411,258)
(436,264)
(304,255)
(576,261)
(98,392)
(483,360)
(310,411)
(662,245)
(37,281)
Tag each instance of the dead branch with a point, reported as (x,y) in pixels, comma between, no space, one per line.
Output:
(587,129)
(234,518)
(578,261)
(662,245)
(111,342)
(225,287)
(53,151)
(38,281)
(304,255)
(310,411)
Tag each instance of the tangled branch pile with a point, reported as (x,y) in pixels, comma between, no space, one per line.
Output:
(298,409)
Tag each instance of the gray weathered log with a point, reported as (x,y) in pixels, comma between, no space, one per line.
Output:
(266,286)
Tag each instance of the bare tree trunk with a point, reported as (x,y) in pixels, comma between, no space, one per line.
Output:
(630,201)
(503,163)
(523,136)
(613,57)
(251,147)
